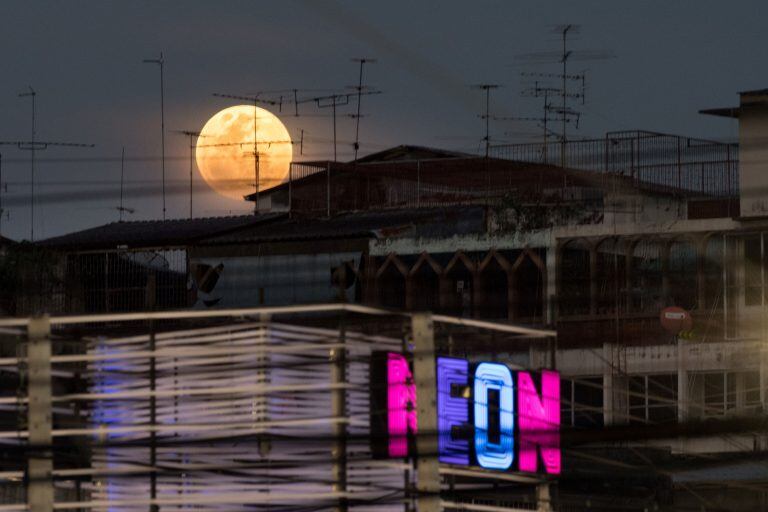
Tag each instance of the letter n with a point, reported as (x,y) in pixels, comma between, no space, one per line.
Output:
(539,422)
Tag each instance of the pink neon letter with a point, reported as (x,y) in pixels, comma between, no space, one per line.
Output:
(401,404)
(539,422)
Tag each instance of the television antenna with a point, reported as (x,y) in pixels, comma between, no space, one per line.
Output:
(161,62)
(255,100)
(122,208)
(32,145)
(193,135)
(566,116)
(564,57)
(363,61)
(487,116)
(337,100)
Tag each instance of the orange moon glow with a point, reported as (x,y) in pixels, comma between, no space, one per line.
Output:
(225,151)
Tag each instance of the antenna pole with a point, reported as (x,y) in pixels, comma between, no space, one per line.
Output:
(32,161)
(565,94)
(487,116)
(162,126)
(334,129)
(122,176)
(546,110)
(487,121)
(32,95)
(359,97)
(191,156)
(256,155)
(160,62)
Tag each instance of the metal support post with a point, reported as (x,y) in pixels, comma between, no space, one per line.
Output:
(339,411)
(428,469)
(40,461)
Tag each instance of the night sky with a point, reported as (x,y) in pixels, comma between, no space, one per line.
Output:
(84,59)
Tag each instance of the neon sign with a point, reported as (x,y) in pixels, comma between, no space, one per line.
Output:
(487,415)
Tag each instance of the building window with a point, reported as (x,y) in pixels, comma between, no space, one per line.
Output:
(653,398)
(727,393)
(581,402)
(719,393)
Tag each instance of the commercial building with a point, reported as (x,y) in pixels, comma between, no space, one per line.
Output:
(646,252)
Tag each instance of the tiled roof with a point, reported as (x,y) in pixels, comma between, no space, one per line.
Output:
(154,233)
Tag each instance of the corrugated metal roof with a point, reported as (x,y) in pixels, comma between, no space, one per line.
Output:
(407,152)
(155,233)
(419,222)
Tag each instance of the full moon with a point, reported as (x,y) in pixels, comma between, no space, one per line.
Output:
(225,151)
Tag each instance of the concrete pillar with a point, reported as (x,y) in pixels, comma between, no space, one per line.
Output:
(39,416)
(428,467)
(543,498)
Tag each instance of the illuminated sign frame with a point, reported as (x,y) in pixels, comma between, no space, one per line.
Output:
(487,415)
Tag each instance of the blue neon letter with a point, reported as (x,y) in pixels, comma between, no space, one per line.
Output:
(451,410)
(492,376)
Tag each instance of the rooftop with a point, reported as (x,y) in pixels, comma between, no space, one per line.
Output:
(756,98)
(154,233)
(424,222)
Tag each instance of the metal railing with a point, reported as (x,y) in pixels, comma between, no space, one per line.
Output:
(683,164)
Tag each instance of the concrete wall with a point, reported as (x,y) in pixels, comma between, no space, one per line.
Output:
(753,161)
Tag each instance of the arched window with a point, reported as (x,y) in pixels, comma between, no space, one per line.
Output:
(495,290)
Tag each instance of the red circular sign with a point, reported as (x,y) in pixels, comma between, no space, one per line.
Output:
(675,319)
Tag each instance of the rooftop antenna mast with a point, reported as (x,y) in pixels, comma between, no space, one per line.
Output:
(565,29)
(123,209)
(160,62)
(359,88)
(255,100)
(538,91)
(487,116)
(192,136)
(122,178)
(32,145)
(563,57)
(333,101)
